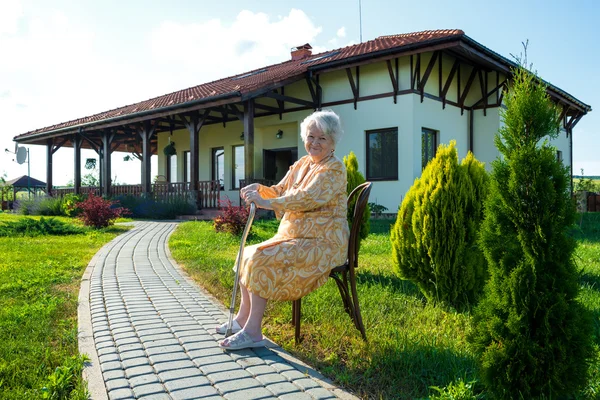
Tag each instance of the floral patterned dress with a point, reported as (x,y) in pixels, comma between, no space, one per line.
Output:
(312,237)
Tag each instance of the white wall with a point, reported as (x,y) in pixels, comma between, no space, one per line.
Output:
(409,115)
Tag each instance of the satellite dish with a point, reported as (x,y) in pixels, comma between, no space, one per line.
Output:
(16,147)
(21,155)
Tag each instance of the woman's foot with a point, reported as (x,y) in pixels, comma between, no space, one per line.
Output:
(222,329)
(241,340)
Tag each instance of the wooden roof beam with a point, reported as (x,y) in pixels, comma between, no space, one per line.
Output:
(465,92)
(427,73)
(290,99)
(449,82)
(354,86)
(393,77)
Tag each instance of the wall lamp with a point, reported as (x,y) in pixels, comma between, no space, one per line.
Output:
(279,134)
(242,136)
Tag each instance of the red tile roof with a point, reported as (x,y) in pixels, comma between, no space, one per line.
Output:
(248,82)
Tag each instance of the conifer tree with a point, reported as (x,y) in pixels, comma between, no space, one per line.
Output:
(531,335)
(355,178)
(434,239)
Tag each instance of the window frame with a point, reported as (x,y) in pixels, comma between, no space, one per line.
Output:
(436,141)
(186,166)
(169,169)
(214,173)
(236,185)
(391,177)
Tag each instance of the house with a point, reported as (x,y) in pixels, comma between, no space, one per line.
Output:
(398,96)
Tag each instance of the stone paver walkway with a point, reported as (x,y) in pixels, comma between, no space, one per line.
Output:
(149,331)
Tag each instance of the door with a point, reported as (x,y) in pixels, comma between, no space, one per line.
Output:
(276,162)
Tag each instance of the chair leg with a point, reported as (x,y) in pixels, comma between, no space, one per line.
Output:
(294,305)
(297,314)
(344,294)
(358,322)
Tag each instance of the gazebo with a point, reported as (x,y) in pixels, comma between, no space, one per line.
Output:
(22,183)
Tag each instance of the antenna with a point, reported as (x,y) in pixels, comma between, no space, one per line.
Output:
(360,19)
(21,155)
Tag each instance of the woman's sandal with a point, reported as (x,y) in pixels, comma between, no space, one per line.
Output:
(241,340)
(235,328)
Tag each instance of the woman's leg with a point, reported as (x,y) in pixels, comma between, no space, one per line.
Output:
(253,326)
(245,305)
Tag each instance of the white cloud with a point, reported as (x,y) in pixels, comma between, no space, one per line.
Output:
(251,41)
(60,69)
(56,73)
(10,13)
(341,33)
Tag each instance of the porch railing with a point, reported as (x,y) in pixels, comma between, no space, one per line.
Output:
(60,192)
(207,197)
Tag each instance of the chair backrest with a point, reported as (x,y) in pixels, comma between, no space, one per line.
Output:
(361,194)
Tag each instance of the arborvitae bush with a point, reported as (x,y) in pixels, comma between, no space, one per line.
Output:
(531,335)
(355,178)
(434,239)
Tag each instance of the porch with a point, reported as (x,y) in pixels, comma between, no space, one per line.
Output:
(207,196)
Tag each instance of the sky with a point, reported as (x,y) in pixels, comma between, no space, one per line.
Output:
(66,59)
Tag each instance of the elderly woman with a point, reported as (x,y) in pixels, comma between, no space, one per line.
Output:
(312,237)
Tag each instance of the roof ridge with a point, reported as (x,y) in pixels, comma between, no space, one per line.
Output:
(428,31)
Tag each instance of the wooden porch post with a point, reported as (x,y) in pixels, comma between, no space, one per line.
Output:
(146,132)
(77,160)
(194,130)
(49,153)
(107,138)
(194,124)
(249,141)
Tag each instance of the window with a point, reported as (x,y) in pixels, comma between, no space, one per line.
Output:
(429,143)
(238,167)
(335,53)
(172,168)
(559,156)
(187,172)
(218,166)
(249,74)
(382,154)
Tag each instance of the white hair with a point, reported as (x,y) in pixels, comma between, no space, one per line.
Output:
(326,121)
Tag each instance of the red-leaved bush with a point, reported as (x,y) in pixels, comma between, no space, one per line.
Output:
(99,213)
(232,218)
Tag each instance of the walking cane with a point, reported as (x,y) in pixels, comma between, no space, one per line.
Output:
(237,268)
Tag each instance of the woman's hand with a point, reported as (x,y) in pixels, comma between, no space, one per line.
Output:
(256,198)
(253,187)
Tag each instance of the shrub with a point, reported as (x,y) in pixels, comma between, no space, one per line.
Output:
(41,205)
(145,207)
(69,204)
(232,218)
(355,178)
(530,334)
(434,239)
(99,213)
(584,184)
(33,227)
(377,209)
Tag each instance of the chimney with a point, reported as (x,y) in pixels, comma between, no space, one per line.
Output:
(301,52)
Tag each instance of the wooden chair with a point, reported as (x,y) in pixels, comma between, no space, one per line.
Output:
(344,275)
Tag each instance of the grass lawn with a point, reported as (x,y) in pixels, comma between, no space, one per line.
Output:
(412,345)
(39,284)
